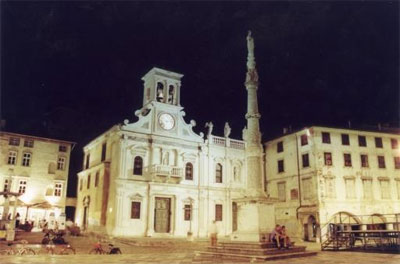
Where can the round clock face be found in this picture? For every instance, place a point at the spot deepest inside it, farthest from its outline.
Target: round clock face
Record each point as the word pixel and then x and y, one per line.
pixel 166 121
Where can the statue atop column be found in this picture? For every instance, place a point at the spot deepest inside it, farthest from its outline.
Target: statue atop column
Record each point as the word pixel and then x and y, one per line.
pixel 251 75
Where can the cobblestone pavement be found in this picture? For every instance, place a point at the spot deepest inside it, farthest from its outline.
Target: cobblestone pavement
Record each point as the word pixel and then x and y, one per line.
pixel 176 251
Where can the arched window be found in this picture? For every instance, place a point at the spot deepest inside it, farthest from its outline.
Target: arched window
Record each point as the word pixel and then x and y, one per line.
pixel 189 171
pixel 218 173
pixel 160 92
pixel 138 166
pixel 171 92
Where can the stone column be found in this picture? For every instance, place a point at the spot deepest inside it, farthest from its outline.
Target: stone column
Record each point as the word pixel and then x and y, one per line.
pixel 255 213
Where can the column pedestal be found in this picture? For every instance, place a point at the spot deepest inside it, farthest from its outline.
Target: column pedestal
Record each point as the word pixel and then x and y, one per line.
pixel 256 219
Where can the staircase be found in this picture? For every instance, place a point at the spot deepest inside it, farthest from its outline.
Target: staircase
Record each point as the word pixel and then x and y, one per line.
pixel 249 251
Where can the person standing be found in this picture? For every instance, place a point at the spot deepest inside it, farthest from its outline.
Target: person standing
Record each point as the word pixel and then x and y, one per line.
pixel 17 220
pixel 214 233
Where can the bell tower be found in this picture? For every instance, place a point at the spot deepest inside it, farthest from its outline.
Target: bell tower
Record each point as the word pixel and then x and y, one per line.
pixel 162 86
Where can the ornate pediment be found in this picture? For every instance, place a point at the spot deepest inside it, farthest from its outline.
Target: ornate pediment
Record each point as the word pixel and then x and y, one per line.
pixel 135 197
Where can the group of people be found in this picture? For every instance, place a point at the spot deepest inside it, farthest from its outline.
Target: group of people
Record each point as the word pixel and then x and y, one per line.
pixel 279 237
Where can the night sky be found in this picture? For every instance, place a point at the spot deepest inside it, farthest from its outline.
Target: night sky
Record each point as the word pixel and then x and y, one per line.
pixel 71 70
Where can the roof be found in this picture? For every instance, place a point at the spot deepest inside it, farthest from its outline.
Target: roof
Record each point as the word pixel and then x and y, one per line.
pixel 381 129
pixel 36 137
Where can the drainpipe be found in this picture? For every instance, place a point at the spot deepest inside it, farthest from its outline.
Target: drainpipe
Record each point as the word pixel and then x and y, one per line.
pixel 298 177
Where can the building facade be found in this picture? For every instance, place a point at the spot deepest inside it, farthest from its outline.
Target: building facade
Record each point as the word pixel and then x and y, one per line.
pixel 318 173
pixel 35 169
pixel 156 177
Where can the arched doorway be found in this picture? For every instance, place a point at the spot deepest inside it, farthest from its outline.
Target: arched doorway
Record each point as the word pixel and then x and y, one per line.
pixel 86 203
pixel 310 229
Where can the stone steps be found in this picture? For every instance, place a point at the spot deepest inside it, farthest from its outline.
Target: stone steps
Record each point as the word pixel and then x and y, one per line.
pixel 215 256
pixel 255 251
pixel 233 251
pixel 259 245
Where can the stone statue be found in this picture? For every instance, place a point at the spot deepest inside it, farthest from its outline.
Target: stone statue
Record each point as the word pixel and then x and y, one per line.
pixel 210 127
pixel 251 75
pixel 227 130
pixel 250 45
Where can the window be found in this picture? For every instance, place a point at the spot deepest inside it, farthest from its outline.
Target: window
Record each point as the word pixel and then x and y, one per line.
pixel 96 179
pixel 364 161
pixel 57 189
pixel 218 212
pixel 281 167
pixel 347 160
pixel 294 194
pixel 13 141
pixel 304 139
pixel 326 138
pixel 279 147
pixel 61 163
pixel 282 191
pixel 189 171
pixel 218 173
pixel 62 148
pixel 350 188
pixel 307 188
pixel 385 189
pixel 138 166
pixel 381 162
pixel 367 188
pixel 328 158
pixel 28 143
pixel 362 141
pixel 7 185
pixel 87 161
pixel 12 157
pixel 80 184
pixel 305 160
pixel 26 159
pixel 22 187
pixel 88 182
pixel 397 162
pixel 135 210
pixel 330 187
pixel 394 143
pixel 378 142
pixel 345 139
pixel 103 151
pixel 187 212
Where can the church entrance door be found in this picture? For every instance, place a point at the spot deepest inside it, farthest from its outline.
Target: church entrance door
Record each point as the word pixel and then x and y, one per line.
pixel 234 216
pixel 162 215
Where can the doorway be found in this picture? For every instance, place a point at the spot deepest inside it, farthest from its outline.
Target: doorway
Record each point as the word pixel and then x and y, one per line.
pixel 162 215
pixel 234 216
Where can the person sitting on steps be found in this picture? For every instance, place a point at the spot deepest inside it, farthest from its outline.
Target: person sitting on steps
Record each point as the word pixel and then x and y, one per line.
pixel 285 237
pixel 276 236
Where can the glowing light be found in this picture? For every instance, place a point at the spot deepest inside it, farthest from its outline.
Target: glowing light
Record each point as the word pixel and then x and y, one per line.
pixel 26 197
pixel 110 210
pixel 52 199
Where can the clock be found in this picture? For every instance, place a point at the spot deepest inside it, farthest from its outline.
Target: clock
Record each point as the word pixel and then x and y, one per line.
pixel 166 121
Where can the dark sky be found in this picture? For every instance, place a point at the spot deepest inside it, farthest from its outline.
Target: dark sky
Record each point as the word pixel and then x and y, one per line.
pixel 71 70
